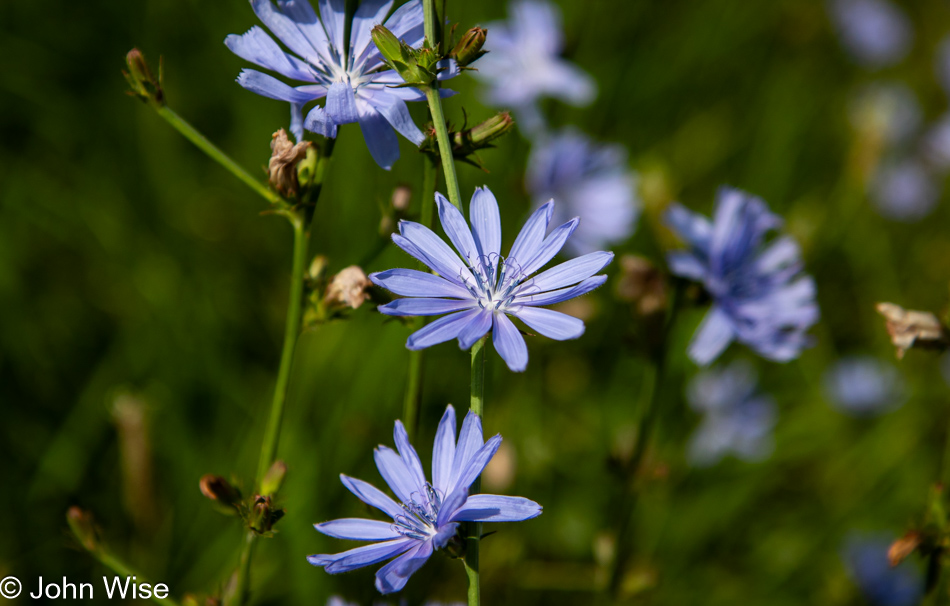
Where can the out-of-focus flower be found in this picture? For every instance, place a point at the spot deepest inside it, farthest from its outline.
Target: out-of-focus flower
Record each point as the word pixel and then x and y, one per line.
pixel 887 110
pixel 336 600
pixel 428 514
pixel 481 289
pixel 904 191
pixel 910 328
pixel 863 385
pixel 865 558
pixel 760 297
pixel 876 33
pixel 936 145
pixel 357 84
pixel 523 63
pixel 348 288
pixel 588 180
pixel 735 419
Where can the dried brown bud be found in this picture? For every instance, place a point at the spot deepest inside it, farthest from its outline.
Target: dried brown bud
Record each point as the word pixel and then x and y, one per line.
pixel 642 284
pixel 909 328
pixel 402 195
pixel 84 528
pixel 282 167
pixel 903 547
pixel 348 288
pixel 219 490
pixel 141 80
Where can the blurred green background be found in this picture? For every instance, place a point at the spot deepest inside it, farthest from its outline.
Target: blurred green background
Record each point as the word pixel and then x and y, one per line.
pixel 143 301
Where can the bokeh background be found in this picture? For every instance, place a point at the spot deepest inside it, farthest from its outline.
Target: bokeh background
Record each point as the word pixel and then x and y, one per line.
pixel 142 298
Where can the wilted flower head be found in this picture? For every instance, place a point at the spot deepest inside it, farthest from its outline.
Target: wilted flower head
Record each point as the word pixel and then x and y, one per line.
pixel 355 81
pixel 427 515
pixel 479 288
pixel 863 385
pixel 588 180
pixel 735 419
pixel 865 558
pixel 876 33
pixel 348 288
pixel 911 328
pixel 523 63
pixel 904 191
pixel 760 297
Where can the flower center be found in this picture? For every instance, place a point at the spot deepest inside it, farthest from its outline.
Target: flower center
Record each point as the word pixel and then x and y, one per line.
pixel 495 281
pixel 421 514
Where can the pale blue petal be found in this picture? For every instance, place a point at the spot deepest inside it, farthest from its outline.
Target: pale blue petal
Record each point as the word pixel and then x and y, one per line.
pixel 686 265
pixel 424 306
pixel 358 529
pixel 394 110
pixel 443 450
pixel 486 225
pixel 455 227
pixel 470 440
pixel 319 122
pixel 259 48
pixel 452 503
pixel 411 458
pixel 362 556
pixel 475 329
pixel 415 283
pixel 528 242
pixel 448 69
pixel 509 344
pixel 551 324
pixel 369 14
pixel 341 103
pixel 441 330
pixel 714 334
pixel 440 256
pixel 269 86
pixel 407 23
pixel 296 121
pixel 495 508
pixel 550 246
pixel 393 576
pixel 285 28
pixel 333 15
pixel 393 469
pixel 566 274
pixel 691 227
pixel 371 495
pixel 563 294
pixel 477 463
pixel 379 136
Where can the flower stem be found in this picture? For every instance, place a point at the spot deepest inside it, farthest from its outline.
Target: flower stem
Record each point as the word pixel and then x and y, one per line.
pixel 118 566
pixel 445 147
pixel 474 529
pixel 242 588
pixel 216 154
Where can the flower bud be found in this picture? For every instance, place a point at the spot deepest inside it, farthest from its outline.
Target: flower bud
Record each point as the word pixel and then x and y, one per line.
pixel 402 196
pixel 264 515
pixel 274 478
pixel 469 48
pixel 909 328
pixel 83 526
pixel 417 67
pixel 903 547
pixel 318 267
pixel 221 492
pixel 466 142
pixel 143 83
pixel 282 168
pixel 347 289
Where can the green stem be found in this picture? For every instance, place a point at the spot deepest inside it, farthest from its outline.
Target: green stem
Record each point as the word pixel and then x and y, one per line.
pixel 216 154
pixel 445 146
pixel 291 332
pixel 242 589
pixel 122 569
pixel 431 25
pixel 474 529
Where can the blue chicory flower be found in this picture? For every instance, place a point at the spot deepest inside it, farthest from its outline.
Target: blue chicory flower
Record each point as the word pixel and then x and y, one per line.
pixel 760 297
pixel 524 64
pixel 904 191
pixel 428 514
pixel 865 558
pixel 736 420
pixel 357 85
pixel 864 385
pixel 588 180
pixel 481 289
pixel 876 33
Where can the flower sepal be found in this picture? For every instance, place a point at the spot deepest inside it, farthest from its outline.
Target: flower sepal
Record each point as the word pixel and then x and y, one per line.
pixel 417 66
pixel 142 81
pixel 468 141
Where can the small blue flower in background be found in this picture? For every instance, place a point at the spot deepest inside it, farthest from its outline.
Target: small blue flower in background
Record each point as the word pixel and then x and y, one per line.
pixel 356 83
pixel 876 33
pixel 736 420
pixel 481 289
pixel 760 297
pixel 588 180
pixel 936 145
pixel 904 191
pixel 864 386
pixel 428 513
pixel 887 110
pixel 524 64
pixel 865 558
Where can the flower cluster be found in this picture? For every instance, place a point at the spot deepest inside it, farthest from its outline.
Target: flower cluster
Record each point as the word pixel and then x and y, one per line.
pixel 427 514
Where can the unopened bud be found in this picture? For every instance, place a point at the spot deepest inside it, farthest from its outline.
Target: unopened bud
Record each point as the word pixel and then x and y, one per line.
pixel 910 328
pixel 348 288
pixel 402 195
pixel 318 267
pixel 220 491
pixel 466 142
pixel 642 284
pixel 469 48
pixel 903 547
pixel 282 172
pixel 83 526
pixel 417 67
pixel 274 478
pixel 142 81
pixel 264 515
